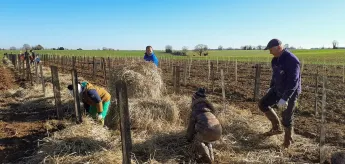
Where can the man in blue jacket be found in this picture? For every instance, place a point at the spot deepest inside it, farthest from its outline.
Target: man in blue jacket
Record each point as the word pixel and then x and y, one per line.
pixel 150 55
pixel 284 90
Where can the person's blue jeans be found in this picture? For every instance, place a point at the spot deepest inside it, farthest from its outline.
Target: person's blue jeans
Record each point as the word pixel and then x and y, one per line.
pixel 272 98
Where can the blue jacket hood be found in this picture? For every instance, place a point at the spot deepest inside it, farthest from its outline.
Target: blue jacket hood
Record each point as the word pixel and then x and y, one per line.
pixel 152 58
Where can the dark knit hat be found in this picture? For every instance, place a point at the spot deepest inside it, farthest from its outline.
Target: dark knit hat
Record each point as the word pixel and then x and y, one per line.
pixel 200 92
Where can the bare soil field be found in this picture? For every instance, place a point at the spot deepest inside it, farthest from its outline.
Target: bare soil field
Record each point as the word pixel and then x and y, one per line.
pixel 24 117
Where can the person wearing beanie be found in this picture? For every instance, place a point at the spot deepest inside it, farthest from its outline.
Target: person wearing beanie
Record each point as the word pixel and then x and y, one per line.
pixel 203 127
pixel 96 100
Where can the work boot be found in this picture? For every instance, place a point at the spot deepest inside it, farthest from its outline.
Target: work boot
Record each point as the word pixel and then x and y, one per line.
pixel 276 127
pixel 211 151
pixel 288 137
pixel 205 153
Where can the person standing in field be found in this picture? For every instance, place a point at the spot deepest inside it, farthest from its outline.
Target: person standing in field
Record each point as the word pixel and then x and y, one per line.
pixel 203 127
pixel 150 55
pixel 285 87
pixel 96 100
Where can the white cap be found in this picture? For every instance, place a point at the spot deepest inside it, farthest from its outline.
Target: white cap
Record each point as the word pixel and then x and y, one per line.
pixel 79 90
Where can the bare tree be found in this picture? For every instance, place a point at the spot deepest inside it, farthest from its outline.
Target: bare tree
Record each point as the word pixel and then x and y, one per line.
pixel 184 48
pixel 286 45
pixel 259 47
pixel 26 47
pixel 38 47
pixel 335 44
pixel 220 47
pixel 200 49
pixel 13 48
pixel 168 49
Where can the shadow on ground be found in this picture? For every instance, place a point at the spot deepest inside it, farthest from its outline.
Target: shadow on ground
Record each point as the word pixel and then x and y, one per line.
pixel 75 146
pixel 17 148
pixel 23 124
pixel 163 148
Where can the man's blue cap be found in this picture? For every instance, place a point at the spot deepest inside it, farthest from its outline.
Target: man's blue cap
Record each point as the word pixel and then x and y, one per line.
pixel 273 43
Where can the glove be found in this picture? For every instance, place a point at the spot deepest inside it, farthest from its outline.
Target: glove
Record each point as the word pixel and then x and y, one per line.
pixel 99 117
pixel 282 104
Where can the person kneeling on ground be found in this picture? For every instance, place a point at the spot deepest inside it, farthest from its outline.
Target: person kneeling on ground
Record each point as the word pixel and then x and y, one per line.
pixel 203 127
pixel 96 100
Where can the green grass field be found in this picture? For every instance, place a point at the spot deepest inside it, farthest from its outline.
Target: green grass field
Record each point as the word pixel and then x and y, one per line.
pixel 327 56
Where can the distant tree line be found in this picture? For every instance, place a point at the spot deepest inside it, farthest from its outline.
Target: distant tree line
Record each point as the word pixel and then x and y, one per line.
pixel 200 49
pixel 183 52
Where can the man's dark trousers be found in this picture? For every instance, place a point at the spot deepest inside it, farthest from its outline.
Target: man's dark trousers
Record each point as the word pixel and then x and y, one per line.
pixel 272 98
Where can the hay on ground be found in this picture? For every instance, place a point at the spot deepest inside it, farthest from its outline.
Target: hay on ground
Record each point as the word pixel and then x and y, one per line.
pixel 86 142
pixel 143 79
pixel 153 114
pixel 183 104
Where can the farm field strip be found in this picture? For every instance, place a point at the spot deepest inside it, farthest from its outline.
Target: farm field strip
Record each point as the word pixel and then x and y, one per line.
pixel 326 56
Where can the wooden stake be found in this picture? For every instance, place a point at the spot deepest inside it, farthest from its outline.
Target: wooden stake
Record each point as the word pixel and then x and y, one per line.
pixel 257 82
pixel 212 77
pixel 322 124
pixel 316 91
pixel 42 80
pixel 78 112
pixel 217 65
pixel 36 72
pixel 56 90
pixel 236 71
pixel 122 99
pixel 209 69
pixel 190 65
pixel 23 73
pixel 177 79
pixel 185 73
pixel 74 58
pixel 344 73
pixel 223 86
pixel 93 68
pixel 104 71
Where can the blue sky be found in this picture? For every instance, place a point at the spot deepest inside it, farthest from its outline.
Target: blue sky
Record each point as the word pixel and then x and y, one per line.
pixel 134 24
